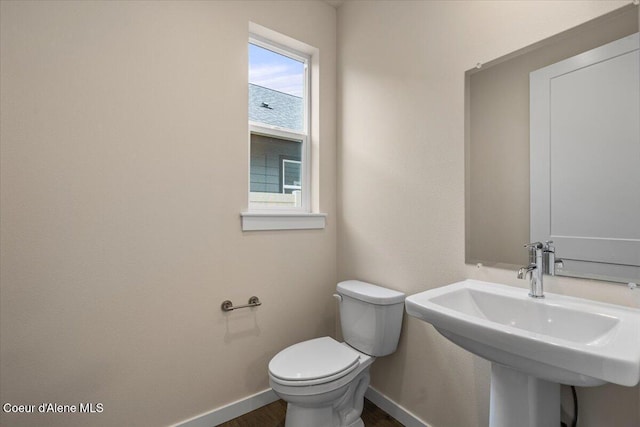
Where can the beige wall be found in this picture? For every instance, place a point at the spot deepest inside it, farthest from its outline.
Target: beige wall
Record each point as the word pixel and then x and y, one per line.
pixel 401 183
pixel 124 171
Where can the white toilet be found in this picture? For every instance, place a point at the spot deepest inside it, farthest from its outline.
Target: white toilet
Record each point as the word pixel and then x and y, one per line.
pixel 324 381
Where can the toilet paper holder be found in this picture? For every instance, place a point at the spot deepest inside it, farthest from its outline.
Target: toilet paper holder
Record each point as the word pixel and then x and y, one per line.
pixel 227 305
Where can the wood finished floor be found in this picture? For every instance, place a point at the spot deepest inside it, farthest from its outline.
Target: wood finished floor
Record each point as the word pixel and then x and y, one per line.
pixel 273 415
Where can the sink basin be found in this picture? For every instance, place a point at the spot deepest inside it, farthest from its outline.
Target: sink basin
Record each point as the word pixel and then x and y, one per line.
pixel 557 338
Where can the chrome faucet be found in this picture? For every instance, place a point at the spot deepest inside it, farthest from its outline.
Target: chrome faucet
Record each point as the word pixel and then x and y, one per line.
pixel 534 269
pixel 542 259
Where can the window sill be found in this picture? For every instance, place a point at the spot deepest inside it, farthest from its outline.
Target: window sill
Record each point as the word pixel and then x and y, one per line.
pixel 253 221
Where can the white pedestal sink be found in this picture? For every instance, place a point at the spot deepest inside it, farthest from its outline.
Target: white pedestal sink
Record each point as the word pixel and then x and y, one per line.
pixel 534 344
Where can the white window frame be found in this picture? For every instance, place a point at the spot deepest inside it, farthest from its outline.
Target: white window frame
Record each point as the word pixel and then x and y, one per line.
pixel 294 217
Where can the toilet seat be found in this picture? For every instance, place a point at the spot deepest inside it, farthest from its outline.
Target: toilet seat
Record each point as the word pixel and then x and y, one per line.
pixel 313 362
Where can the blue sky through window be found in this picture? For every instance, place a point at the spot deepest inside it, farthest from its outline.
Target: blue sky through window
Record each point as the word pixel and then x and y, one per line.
pixel 275 71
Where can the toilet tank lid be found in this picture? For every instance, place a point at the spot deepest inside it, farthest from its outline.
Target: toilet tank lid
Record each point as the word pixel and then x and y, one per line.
pixel 367 292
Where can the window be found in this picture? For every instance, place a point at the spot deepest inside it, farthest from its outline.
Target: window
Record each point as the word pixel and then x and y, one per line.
pixel 279 107
pixel 278 128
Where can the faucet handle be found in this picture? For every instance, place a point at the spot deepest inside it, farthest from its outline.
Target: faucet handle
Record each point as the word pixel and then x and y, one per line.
pixel 534 245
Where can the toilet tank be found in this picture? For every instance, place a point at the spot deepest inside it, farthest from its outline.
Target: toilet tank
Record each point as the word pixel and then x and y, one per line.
pixel 371 317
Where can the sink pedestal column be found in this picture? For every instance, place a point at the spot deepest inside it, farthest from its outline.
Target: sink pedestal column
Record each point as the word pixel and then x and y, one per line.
pixel 518 399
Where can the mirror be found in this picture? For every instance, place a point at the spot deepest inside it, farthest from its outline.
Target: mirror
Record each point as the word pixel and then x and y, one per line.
pixel 497 149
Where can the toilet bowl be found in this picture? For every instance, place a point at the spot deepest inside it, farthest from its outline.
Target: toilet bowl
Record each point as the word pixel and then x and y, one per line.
pixel 326 385
pixel 324 381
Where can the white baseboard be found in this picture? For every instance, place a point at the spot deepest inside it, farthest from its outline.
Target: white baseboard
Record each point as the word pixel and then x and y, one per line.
pixel 232 410
pixel 243 406
pixel 392 408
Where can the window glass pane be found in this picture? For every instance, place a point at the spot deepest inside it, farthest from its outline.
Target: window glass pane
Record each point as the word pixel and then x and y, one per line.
pixel 275 172
pixel 276 89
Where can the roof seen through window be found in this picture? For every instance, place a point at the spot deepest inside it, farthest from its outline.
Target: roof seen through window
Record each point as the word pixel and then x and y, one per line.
pixel 276 87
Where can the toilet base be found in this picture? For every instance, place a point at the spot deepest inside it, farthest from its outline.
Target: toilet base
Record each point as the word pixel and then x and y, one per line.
pixel 339 408
pixel 316 417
